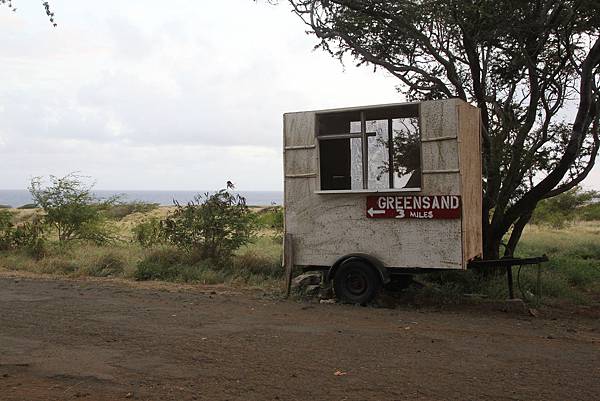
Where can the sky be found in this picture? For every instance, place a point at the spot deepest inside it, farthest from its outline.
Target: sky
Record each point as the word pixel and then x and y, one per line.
pixel 178 95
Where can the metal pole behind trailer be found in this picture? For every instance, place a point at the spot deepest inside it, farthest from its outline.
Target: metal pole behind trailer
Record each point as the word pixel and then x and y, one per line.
pixel 375 191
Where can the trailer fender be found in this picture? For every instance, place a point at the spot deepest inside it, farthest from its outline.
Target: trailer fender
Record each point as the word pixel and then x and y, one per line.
pixel 366 258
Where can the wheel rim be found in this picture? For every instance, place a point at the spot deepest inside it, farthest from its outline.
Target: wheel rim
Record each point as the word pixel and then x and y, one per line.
pixel 357 283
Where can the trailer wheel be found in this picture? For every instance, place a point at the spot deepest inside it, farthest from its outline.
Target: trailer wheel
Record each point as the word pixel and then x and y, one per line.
pixel 356 282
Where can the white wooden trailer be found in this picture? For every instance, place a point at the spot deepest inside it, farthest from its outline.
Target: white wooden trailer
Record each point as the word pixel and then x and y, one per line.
pixel 382 189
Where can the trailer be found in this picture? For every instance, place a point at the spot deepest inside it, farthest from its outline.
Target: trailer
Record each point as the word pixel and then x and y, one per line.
pixel 377 192
pixel 374 191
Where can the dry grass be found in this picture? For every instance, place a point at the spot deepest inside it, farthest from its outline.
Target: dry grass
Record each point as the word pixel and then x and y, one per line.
pixel 573 273
pixel 255 265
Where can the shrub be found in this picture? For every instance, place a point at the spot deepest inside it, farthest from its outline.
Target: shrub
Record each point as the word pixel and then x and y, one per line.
pixel 559 210
pixel 270 217
pixel 213 225
pixel 28 236
pixel 71 208
pixel 121 210
pixel 6 229
pixel 148 232
pixel 590 212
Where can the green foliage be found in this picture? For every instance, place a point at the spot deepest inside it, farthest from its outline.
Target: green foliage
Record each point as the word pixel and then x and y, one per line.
pixel 571 275
pixel 28 236
pixel 173 264
pixel 120 210
pixel 270 218
pixel 6 228
pixel 556 212
pixel 256 263
pixel 590 212
pixel 71 208
pixel 212 225
pixel 107 265
pixel 148 232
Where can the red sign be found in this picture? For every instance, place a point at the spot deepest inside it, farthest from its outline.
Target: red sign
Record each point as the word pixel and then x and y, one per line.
pixel 414 207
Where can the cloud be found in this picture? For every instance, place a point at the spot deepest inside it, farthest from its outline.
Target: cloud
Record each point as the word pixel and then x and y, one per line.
pixel 142 96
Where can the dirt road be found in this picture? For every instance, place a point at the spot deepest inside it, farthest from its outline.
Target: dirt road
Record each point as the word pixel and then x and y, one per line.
pixel 93 340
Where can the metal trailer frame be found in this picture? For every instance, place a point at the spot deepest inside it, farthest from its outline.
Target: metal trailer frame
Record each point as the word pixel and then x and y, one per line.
pixel 508 263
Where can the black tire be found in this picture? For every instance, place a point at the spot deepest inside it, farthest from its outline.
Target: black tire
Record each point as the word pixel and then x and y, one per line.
pixel 356 282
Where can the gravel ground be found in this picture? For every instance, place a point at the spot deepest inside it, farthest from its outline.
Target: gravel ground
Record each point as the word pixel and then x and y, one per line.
pixel 111 340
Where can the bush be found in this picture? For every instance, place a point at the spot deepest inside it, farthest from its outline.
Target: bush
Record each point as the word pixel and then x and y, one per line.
pixel 270 217
pixel 28 236
pixel 71 209
pixel 212 225
pixel 148 233
pixel 590 212
pixel 121 210
pixel 6 229
pixel 556 212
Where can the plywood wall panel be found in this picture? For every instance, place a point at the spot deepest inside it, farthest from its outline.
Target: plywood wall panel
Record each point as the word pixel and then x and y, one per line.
pixel 300 161
pixel 440 155
pixel 299 129
pixel 438 119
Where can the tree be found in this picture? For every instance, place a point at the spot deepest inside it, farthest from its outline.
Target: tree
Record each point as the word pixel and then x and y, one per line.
pixel 71 208
pixel 525 64
pixel 11 5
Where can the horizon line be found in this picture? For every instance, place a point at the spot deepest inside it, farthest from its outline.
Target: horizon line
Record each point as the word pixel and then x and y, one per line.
pixel 162 190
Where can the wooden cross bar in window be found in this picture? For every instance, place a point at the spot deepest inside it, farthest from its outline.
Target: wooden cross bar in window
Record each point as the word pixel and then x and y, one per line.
pixel 364 136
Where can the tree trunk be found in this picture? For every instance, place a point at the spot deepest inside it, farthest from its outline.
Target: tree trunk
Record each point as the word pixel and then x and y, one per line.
pixel 492 240
pixel 515 236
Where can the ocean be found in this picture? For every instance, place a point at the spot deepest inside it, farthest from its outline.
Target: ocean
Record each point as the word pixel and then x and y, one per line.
pixel 20 197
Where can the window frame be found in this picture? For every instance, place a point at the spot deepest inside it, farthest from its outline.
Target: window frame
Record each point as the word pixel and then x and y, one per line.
pixel 364 137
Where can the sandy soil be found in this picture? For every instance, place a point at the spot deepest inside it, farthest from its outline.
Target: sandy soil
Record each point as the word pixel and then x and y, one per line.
pixel 98 340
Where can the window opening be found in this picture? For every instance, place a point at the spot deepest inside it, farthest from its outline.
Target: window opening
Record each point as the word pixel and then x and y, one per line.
pixel 357 153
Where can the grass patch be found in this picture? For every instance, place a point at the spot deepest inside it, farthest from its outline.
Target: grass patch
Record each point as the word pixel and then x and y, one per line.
pixel 572 275
pixel 270 218
pixel 573 272
pixel 77 259
pixel 252 265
